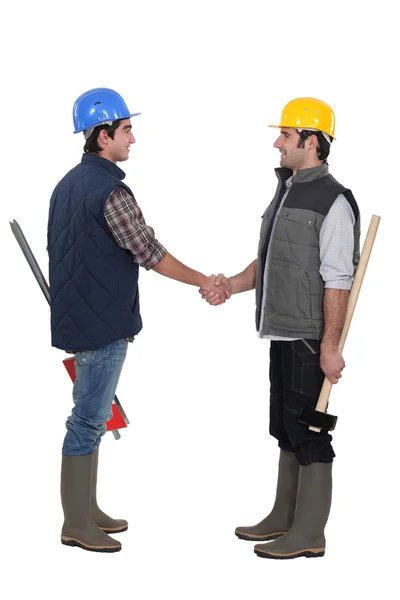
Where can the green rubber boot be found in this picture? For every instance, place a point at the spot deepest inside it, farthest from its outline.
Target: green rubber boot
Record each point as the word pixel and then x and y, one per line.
pixel 103 521
pixel 306 537
pixel 280 519
pixel 79 528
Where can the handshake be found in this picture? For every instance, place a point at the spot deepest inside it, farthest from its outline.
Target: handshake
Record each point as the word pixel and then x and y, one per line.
pixel 216 290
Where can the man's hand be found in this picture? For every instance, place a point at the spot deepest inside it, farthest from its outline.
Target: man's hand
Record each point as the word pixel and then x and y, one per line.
pixel 332 364
pixel 220 291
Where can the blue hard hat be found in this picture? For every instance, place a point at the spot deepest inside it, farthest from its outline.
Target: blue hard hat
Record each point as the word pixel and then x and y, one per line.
pixel 98 106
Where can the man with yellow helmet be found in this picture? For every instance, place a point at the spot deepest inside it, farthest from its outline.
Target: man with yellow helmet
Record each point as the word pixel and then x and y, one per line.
pixel 307 254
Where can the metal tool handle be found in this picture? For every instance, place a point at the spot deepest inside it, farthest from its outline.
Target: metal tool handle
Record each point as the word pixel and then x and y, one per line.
pixel 31 260
pixel 323 399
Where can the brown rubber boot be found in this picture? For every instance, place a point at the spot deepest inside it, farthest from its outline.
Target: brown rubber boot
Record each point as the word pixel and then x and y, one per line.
pixel 103 521
pixel 79 528
pixel 280 519
pixel 306 537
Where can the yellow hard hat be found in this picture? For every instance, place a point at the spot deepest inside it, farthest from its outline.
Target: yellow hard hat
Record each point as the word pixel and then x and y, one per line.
pixel 308 113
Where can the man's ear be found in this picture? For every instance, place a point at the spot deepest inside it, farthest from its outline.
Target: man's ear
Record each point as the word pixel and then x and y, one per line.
pixel 313 142
pixel 102 138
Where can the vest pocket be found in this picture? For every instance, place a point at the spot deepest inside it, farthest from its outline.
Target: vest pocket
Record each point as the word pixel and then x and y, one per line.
pixel 288 292
pixel 264 222
pixel 302 299
pixel 307 220
pixel 298 228
pixel 307 298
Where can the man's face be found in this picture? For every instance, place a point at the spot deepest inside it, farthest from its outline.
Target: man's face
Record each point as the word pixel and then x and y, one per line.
pixel 123 138
pixel 292 157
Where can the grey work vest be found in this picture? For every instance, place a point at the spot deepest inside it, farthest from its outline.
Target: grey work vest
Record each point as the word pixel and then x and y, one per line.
pixel 295 289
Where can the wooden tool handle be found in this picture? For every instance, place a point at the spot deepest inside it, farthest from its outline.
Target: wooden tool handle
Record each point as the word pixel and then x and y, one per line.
pixel 323 399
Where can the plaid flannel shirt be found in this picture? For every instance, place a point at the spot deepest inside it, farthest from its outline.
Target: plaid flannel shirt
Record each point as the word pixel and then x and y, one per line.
pixel 128 227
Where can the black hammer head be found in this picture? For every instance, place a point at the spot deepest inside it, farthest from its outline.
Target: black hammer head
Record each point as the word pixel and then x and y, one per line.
pixel 316 418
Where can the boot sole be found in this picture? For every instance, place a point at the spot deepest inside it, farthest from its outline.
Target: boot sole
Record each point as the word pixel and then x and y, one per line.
pixel 116 530
pixel 259 538
pixel 73 542
pixel 308 553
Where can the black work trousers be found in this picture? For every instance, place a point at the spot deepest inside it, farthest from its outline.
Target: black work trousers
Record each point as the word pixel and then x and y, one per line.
pixel 296 379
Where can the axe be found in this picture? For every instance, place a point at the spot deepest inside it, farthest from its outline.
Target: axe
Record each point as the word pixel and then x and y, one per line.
pixel 119 418
pixel 318 418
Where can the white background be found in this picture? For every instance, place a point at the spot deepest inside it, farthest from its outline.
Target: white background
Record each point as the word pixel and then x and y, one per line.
pixel 197 459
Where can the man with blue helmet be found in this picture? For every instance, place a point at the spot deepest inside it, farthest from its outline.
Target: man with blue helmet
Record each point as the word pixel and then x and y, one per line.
pixel 97 239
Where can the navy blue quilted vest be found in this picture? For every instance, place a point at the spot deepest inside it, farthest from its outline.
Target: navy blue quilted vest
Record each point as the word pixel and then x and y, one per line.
pixel 94 296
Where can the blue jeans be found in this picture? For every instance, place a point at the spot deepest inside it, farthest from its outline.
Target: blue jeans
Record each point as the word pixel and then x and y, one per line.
pixel 97 375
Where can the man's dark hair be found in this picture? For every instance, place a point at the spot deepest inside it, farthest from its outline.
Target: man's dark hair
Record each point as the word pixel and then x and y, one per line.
pixel 324 146
pixel 91 145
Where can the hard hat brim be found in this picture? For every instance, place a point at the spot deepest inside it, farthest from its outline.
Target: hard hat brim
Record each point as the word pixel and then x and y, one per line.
pixel 294 127
pixel 128 117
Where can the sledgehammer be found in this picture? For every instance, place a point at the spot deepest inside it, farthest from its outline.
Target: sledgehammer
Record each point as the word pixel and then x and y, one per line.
pixel 318 418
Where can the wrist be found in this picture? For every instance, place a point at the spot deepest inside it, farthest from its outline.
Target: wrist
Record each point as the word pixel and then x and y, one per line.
pixel 329 347
pixel 232 285
pixel 202 281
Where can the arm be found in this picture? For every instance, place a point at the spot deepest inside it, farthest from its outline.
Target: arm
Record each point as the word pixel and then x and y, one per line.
pixel 335 309
pixel 130 231
pixel 337 269
pixel 171 267
pixel 244 281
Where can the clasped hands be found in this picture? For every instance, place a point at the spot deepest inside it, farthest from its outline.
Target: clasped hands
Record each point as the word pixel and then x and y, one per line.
pixel 216 289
